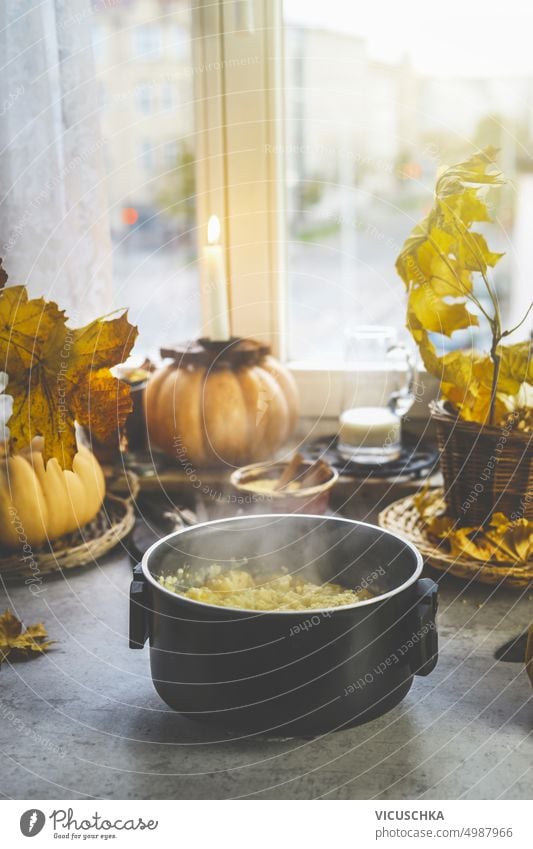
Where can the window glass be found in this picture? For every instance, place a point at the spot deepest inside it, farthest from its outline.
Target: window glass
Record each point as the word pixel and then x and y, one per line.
pixel 379 97
pixel 148 135
pixel 147 40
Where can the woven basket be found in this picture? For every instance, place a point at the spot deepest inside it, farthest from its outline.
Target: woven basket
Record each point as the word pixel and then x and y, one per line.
pixel 113 522
pixel 403 518
pixel 486 469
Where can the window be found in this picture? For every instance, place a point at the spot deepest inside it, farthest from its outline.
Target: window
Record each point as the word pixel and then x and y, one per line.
pixel 144 98
pixel 146 154
pixel 151 202
pixel 167 97
pixel 146 38
pixel 171 154
pixel 98 43
pixel 180 42
pixel 372 112
pixel 237 73
pixel 318 136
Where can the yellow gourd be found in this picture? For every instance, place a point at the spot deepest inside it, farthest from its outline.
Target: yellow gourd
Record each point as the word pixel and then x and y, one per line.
pixel 38 503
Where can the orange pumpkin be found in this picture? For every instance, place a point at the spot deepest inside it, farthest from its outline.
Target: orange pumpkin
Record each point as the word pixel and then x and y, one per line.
pixel 233 407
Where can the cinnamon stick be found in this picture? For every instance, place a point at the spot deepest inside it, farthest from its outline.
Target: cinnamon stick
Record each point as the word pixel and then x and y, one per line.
pixel 290 472
pixel 316 474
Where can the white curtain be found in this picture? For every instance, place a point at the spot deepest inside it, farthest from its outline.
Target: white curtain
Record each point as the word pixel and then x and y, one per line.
pixel 54 233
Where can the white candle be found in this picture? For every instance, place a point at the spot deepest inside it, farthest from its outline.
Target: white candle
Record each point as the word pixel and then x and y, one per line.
pixel 215 281
pixel 370 427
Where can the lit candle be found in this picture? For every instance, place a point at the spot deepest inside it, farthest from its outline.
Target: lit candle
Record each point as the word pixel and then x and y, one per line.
pixel 215 281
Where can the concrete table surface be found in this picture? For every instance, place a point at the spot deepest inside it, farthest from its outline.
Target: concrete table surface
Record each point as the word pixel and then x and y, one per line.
pixel 84 720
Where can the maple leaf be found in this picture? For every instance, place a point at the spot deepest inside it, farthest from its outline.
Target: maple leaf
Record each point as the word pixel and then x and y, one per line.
pixel 97 393
pixel 19 644
pixel 58 375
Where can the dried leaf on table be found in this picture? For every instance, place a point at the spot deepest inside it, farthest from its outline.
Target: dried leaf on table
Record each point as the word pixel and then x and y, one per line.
pixel 59 374
pixel 19 644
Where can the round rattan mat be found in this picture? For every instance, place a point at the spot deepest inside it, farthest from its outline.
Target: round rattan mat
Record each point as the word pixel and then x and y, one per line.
pixel 114 521
pixel 403 518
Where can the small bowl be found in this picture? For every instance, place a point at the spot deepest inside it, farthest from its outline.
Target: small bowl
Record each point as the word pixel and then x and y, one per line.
pixel 309 499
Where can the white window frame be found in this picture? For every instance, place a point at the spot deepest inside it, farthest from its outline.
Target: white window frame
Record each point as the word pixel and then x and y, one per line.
pixel 238 74
pixel 238 70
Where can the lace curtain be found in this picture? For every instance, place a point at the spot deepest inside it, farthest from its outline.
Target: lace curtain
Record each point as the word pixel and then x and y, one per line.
pixel 54 233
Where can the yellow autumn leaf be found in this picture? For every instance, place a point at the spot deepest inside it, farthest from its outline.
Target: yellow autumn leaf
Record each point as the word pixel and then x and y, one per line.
pixel 516 366
pixel 474 254
pixel 468 205
pixel 429 502
pixel 437 315
pixel 10 627
pixel 515 539
pixel 448 279
pixel 101 403
pixel 437 263
pixel 426 243
pixel 476 171
pixel 468 542
pixel 502 541
pixel 19 644
pixel 50 369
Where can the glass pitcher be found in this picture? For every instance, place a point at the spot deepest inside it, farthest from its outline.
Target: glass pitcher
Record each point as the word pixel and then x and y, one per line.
pixel 378 390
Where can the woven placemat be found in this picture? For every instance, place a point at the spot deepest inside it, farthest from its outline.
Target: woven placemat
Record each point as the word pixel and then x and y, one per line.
pixel 403 518
pixel 111 524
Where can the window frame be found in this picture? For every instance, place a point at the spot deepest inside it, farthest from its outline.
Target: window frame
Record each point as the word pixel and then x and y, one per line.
pixel 238 68
pixel 240 173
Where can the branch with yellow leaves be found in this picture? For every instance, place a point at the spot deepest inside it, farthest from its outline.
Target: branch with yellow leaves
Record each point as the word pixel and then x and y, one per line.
pixel 439 263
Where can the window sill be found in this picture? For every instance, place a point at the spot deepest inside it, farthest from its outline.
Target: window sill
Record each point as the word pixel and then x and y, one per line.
pixel 321 390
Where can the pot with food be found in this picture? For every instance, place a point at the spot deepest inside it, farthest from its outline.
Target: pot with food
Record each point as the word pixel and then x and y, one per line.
pixel 292 624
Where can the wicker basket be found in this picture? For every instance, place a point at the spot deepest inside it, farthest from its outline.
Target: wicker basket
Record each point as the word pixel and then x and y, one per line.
pixel 486 469
pixel 403 518
pixel 111 524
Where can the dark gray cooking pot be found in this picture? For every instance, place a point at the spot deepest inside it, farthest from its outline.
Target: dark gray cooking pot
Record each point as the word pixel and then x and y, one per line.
pixel 298 672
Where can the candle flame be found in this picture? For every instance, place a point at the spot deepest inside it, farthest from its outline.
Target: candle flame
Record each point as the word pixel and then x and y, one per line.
pixel 213 230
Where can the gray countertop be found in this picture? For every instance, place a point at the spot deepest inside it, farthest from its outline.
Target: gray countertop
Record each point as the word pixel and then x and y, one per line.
pixel 84 720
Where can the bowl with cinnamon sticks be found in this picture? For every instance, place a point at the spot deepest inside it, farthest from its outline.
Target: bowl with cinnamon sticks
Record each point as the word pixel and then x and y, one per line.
pixel 297 486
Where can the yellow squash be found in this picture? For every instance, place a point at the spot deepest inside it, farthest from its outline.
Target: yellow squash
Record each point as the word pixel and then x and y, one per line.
pixel 38 503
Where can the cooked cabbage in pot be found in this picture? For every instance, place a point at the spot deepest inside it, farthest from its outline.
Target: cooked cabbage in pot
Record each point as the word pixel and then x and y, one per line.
pixel 278 591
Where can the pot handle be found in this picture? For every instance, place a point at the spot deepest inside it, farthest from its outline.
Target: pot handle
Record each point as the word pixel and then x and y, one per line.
pixel 425 651
pixel 138 621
